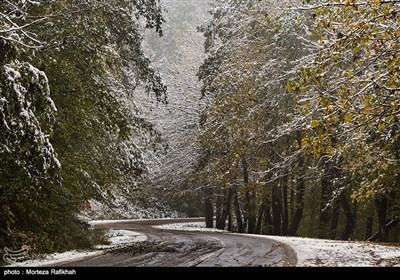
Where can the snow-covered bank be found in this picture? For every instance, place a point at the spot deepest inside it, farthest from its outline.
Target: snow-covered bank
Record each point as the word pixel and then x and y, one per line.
pixel 197 226
pixel 106 222
pixel 122 237
pixel 320 252
pixel 117 239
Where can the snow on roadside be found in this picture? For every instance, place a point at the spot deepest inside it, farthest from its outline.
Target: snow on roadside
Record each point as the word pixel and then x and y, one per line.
pixel 197 226
pixel 106 222
pixel 122 237
pixel 320 252
pixel 117 238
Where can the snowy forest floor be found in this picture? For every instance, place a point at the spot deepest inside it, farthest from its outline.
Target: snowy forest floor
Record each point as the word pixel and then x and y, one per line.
pixel 310 252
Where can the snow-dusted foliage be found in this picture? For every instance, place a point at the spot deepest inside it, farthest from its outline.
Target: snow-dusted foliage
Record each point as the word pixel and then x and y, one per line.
pixel 177 56
pixel 66 136
pixel 26 113
pixel 138 204
pixel 304 116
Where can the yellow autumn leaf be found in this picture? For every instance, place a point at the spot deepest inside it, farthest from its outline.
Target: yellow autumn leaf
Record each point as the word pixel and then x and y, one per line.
pixel 381 126
pixel 367 111
pixel 314 123
pixel 334 119
pixel 262 161
pixel 329 151
pixel 385 166
pixel 348 118
pixel 389 119
pixel 388 36
pixel 305 141
pixel 350 73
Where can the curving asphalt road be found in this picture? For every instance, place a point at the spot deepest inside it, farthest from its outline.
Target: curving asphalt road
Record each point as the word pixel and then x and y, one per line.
pixel 186 249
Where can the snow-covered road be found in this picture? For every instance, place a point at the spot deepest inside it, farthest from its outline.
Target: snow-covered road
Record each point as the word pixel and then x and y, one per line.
pixel 166 247
pixel 186 242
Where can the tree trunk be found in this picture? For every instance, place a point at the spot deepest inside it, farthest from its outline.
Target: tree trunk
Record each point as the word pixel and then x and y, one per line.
pixel 324 219
pixel 350 219
pixel 298 214
pixel 218 207
pixel 259 219
pixel 291 202
pixel 267 229
pixel 334 220
pixel 381 208
pixel 276 211
pixel 229 221
pixel 238 214
pixel 251 218
pixel 301 188
pixel 209 208
pixel 221 219
pixel 226 209
pixel 368 227
pixel 285 206
pixel 390 225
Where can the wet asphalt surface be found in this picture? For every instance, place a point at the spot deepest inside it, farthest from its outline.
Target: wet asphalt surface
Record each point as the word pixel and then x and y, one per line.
pixel 172 248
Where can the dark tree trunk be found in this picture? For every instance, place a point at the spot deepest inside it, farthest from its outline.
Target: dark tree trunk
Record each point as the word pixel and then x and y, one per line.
pixel 350 219
pixel 226 209
pixel 209 208
pixel 276 210
pixel 298 213
pixel 218 207
pixel 229 221
pixel 285 214
pixel 267 220
pixel 259 219
pixel 324 219
pixel 381 208
pixel 301 188
pixel 251 218
pixel 291 201
pixel 368 227
pixel 390 225
pixel 221 219
pixel 335 220
pixel 238 213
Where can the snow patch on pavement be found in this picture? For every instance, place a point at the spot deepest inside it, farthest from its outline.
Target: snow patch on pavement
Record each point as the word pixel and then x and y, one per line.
pixel 117 238
pixel 320 252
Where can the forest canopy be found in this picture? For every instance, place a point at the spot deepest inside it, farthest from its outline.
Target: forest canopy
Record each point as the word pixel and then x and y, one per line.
pixel 65 135
pixel 303 133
